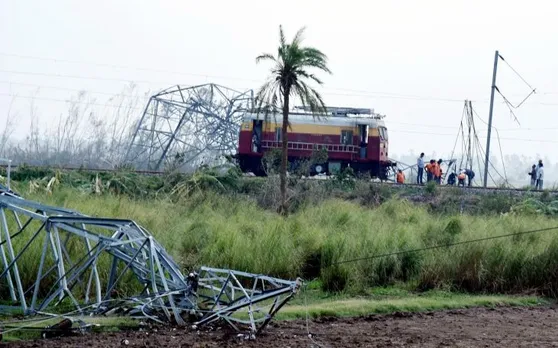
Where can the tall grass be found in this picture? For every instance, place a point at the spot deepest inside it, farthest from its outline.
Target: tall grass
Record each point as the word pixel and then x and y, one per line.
pixel 224 231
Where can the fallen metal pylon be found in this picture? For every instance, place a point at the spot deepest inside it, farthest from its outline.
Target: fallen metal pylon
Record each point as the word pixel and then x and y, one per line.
pixel 91 265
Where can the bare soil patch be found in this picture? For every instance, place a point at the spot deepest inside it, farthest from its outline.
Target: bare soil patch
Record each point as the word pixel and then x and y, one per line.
pixel 479 327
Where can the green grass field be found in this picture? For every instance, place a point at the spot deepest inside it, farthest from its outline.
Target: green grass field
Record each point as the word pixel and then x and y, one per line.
pixel 238 230
pixel 234 232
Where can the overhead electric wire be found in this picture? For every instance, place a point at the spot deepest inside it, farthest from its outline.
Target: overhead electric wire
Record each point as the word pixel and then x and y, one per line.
pixel 362 93
pixel 69 101
pixel 510 106
pixel 460 130
pixel 507 102
pixel 483 155
pixel 114 66
pixel 73 76
pixel 501 155
pixel 515 71
pixel 116 94
pixel 141 109
pixel 446 245
pixel 499 143
pixel 483 137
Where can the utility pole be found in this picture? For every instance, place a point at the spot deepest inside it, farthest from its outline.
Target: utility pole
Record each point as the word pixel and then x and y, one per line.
pixel 469 162
pixel 496 56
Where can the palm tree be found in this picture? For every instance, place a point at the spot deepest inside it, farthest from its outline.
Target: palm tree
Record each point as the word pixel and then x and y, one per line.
pixel 289 78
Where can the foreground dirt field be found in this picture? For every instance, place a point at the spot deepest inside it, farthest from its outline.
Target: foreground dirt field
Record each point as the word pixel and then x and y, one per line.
pixel 502 327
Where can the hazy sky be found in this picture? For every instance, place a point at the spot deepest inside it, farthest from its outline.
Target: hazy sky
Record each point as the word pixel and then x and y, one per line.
pixel 415 61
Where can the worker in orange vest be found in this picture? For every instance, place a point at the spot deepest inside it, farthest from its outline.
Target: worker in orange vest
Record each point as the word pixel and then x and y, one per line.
pixel 461 178
pixel 400 177
pixel 435 171
pixel 430 170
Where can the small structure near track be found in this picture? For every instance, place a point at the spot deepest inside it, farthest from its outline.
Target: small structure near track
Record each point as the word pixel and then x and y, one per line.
pixel 93 265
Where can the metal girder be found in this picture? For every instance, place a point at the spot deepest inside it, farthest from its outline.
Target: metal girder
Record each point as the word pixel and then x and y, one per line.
pixel 91 265
pixel 198 123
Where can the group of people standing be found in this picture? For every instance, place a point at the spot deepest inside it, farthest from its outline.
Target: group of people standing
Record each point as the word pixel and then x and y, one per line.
pixel 537 176
pixel 433 170
pixel 434 173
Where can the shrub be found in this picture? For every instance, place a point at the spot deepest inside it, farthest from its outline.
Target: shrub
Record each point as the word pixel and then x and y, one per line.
pixel 431 188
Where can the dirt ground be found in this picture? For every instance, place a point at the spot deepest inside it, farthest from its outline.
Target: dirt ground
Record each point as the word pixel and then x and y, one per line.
pixel 502 327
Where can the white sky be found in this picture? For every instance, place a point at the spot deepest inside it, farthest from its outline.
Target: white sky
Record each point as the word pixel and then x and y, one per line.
pixel 440 51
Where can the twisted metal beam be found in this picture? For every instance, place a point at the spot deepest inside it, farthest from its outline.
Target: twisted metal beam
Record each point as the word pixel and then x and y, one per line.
pixel 97 265
pixel 196 123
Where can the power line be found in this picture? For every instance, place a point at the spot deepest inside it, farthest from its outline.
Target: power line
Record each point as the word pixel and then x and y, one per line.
pixel 448 134
pixel 106 65
pixel 499 143
pixel 521 77
pixel 365 94
pixel 371 95
pixel 140 108
pixel 429 125
pixel 116 94
pixel 73 76
pixel 383 95
pixel 362 93
pixel 175 72
pixel 69 89
pixel 67 101
pixel 483 154
pixel 501 154
pixel 439 246
pixel 56 60
pixel 460 130
pixel 508 103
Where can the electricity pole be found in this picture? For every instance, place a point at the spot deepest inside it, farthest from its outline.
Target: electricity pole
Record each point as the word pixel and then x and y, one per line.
pixel 496 56
pixel 469 162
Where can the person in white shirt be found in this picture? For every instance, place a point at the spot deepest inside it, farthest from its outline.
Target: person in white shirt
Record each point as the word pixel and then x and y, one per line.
pixel 420 168
pixel 540 175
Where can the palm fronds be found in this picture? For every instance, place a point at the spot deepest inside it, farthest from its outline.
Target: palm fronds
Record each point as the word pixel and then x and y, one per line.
pixel 290 77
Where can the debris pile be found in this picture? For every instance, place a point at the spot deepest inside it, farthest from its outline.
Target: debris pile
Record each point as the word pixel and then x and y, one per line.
pixel 90 265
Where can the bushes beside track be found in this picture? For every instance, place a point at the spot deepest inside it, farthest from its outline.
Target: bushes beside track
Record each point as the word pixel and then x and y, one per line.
pixel 208 228
pixel 222 219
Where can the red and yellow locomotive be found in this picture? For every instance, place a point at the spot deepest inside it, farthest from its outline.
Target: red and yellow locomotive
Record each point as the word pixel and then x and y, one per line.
pixel 355 138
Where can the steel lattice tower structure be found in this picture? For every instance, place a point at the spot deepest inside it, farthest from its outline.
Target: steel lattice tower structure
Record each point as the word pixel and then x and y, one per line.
pixel 196 124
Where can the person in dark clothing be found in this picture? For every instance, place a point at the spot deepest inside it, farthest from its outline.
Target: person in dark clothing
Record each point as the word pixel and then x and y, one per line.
pixel 533 175
pixel 470 175
pixel 451 179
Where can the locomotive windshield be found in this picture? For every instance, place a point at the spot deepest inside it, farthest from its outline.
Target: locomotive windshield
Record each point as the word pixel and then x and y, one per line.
pixel 383 133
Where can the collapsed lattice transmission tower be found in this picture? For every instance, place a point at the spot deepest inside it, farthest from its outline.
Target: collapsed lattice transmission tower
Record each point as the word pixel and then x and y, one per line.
pixel 54 260
pixel 188 125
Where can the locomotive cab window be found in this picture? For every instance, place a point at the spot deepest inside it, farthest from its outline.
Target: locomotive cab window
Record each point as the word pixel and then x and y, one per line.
pixel 383 133
pixel 346 137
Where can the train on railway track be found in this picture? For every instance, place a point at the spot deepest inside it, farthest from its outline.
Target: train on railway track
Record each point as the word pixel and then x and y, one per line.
pixel 352 137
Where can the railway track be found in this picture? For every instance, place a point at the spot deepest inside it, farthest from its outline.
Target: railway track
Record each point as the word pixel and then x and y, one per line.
pixel 99 170
pixel 392 184
pixel 477 188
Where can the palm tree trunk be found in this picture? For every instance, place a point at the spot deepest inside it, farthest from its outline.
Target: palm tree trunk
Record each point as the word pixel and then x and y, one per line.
pixel 283 209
